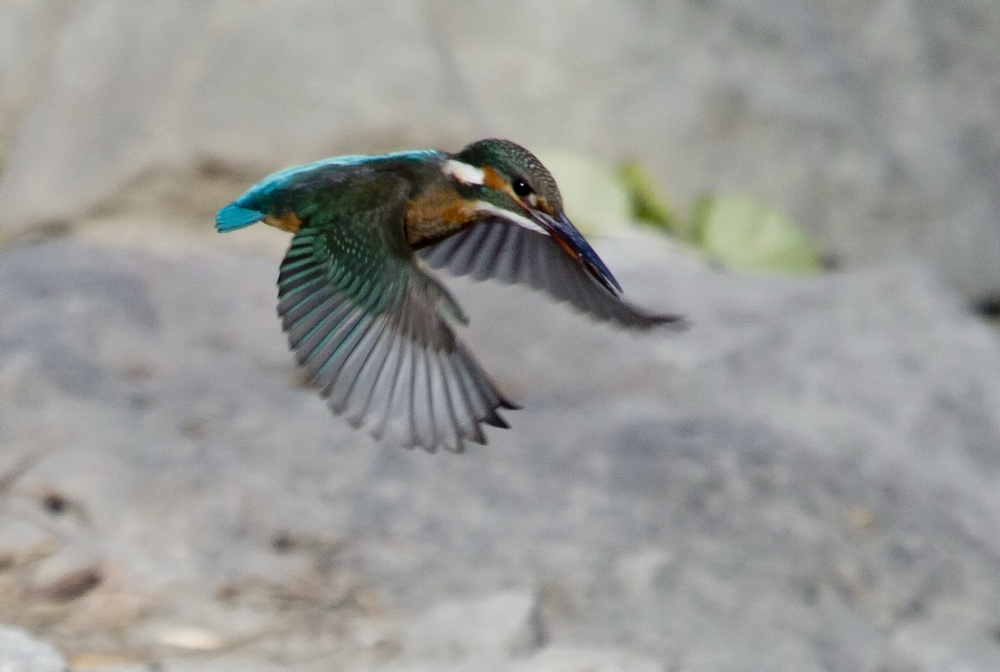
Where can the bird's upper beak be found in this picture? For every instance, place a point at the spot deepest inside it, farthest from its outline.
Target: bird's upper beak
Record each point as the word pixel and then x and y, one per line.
pixel 571 240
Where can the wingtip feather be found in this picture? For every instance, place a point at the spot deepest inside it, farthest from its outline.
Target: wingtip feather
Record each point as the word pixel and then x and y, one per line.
pixel 648 321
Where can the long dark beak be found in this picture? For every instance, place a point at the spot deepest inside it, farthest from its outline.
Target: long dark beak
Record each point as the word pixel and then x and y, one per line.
pixel 573 242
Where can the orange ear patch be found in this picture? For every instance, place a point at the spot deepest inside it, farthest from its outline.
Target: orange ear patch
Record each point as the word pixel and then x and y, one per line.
pixel 287 222
pixel 493 180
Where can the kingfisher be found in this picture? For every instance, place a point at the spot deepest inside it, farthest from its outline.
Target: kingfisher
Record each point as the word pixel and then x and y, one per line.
pixel 368 321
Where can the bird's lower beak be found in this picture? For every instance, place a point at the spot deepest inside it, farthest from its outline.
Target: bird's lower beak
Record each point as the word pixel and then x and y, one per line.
pixel 573 242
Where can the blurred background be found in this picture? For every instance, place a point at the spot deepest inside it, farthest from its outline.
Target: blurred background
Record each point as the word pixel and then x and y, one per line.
pixel 874 124
pixel 806 480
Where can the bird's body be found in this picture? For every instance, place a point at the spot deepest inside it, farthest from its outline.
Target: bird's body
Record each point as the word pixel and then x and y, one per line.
pixel 365 317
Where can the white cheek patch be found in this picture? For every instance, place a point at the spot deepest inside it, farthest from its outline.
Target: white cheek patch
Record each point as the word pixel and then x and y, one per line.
pixel 463 172
pixel 509 216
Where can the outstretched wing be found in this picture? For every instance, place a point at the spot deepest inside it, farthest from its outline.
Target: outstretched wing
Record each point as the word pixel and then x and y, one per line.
pixel 496 249
pixel 368 326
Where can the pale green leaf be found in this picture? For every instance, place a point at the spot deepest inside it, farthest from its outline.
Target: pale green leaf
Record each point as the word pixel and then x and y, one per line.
pixel 647 203
pixel 743 233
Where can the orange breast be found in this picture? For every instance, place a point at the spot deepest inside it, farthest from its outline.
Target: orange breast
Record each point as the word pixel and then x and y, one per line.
pixel 436 215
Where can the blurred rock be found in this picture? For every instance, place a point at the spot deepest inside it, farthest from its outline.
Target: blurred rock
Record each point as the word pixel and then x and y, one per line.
pixel 26 33
pixel 19 652
pixel 558 659
pixel 692 499
pixel 439 667
pixel 498 627
pixel 872 122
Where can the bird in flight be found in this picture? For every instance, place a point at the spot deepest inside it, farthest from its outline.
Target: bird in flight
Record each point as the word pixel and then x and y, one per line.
pixel 368 321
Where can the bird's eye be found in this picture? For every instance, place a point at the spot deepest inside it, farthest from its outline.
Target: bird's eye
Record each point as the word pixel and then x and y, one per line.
pixel 520 187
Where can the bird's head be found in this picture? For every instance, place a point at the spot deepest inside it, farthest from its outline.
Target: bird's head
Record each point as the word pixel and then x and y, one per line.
pixel 506 181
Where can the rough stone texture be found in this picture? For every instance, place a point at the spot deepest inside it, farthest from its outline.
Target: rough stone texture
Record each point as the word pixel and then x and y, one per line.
pixel 20 653
pixel 807 480
pixel 876 123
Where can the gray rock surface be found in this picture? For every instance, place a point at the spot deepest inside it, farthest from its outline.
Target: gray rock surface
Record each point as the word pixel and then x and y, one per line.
pixel 561 659
pixel 806 480
pixel 501 626
pixel 19 652
pixel 875 123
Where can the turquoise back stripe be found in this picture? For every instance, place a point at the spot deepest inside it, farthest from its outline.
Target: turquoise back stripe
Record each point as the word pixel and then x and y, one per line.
pixel 251 207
